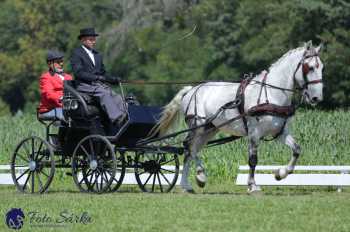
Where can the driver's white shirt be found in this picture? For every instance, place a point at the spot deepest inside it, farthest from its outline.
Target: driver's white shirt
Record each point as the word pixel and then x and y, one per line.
pixel 91 55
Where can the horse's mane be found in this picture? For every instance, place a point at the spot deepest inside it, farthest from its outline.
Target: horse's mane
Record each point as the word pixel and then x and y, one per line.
pixel 285 55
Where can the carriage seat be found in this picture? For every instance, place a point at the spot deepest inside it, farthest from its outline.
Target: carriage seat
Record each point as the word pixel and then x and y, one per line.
pixel 78 104
pixel 45 117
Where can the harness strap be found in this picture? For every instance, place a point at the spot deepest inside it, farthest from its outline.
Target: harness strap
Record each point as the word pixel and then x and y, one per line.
pixel 272 109
pixel 240 95
pixel 263 86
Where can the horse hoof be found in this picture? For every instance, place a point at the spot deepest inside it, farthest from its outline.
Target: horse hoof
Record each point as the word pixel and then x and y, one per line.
pixel 254 190
pixel 201 179
pixel 200 183
pixel 191 191
pixel 277 175
pixel 280 174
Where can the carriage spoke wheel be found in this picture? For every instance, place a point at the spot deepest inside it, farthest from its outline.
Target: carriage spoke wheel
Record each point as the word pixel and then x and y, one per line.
pixel 94 164
pixel 33 165
pixel 120 173
pixel 156 172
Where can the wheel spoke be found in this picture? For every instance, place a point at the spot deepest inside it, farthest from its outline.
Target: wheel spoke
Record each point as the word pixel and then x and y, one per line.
pixel 105 176
pixel 97 175
pixel 166 179
pixel 42 171
pixel 101 174
pixel 142 173
pixel 91 147
pixel 40 158
pixel 92 176
pixel 167 170
pixel 147 179
pixel 84 150
pixel 25 183
pixel 166 162
pixel 110 173
pixel 89 172
pixel 154 182
pixel 38 152
pixel 40 183
pixel 20 156
pixel 25 147
pixel 22 174
pixel 95 181
pixel 33 178
pixel 160 183
pixel 33 148
pixel 84 177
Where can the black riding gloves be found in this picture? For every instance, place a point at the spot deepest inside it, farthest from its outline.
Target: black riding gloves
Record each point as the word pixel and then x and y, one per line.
pixel 101 78
pixel 113 80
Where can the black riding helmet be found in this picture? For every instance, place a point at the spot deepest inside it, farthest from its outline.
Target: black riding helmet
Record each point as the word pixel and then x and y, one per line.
pixel 54 55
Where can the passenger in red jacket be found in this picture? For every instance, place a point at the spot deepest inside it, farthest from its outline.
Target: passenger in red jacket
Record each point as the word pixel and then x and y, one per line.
pixel 51 86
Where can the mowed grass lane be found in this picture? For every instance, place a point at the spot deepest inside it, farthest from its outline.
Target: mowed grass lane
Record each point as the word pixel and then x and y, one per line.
pixel 219 207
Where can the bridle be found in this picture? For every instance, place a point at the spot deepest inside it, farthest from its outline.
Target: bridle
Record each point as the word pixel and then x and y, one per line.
pixel 306 69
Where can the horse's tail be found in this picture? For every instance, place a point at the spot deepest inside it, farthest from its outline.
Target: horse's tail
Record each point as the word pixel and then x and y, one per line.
pixel 170 115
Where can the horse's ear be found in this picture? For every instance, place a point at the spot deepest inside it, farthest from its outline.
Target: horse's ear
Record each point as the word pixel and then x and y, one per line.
pixel 308 45
pixel 318 49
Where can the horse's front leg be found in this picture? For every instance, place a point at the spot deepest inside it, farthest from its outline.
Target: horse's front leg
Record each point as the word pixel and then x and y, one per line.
pixel 288 139
pixel 253 161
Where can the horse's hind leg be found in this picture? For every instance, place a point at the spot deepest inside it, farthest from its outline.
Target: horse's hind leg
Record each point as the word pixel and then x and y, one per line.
pixel 185 184
pixel 199 142
pixel 194 143
pixel 287 139
pixel 253 161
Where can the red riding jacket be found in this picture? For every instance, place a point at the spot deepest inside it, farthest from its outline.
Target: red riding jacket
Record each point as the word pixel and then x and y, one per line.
pixel 51 90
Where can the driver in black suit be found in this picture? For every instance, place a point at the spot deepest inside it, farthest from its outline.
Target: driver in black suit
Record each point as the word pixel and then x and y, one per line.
pixel 91 76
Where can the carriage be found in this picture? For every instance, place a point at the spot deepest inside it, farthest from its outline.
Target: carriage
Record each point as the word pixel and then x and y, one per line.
pixel 258 107
pixel 98 161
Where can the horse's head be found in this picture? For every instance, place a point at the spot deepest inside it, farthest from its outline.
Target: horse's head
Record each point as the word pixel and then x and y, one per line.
pixel 309 74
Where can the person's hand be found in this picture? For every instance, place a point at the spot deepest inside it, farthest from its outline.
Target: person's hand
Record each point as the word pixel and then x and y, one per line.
pixel 113 80
pixel 101 78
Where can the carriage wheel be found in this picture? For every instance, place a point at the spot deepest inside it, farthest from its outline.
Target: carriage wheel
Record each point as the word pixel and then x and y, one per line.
pixel 32 165
pixel 156 172
pixel 120 172
pixel 94 164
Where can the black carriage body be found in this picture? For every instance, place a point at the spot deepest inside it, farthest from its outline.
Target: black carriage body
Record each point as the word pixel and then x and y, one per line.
pixel 141 120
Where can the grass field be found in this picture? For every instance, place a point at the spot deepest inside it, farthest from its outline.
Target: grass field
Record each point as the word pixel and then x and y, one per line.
pixel 220 206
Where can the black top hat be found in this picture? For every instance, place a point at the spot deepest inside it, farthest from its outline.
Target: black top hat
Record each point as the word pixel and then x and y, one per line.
pixel 87 32
pixel 54 55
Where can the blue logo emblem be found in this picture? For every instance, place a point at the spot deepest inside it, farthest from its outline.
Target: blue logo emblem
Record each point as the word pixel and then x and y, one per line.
pixel 15 218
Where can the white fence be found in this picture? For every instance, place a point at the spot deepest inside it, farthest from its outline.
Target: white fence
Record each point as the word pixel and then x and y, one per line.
pixel 129 178
pixel 303 175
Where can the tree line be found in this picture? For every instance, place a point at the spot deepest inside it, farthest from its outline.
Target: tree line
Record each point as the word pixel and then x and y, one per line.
pixel 141 40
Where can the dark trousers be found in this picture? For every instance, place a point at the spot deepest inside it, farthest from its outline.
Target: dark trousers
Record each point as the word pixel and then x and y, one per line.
pixel 111 103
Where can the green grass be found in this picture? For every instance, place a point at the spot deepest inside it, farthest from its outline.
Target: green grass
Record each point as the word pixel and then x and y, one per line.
pixel 219 207
pixel 323 137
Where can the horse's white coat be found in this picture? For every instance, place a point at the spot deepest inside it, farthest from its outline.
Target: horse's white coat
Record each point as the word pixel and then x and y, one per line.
pixel 205 100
